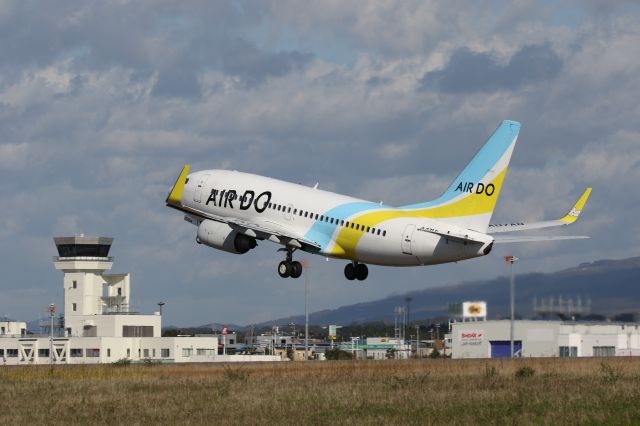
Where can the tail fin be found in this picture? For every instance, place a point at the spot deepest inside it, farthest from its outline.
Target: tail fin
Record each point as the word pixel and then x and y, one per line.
pixel 471 198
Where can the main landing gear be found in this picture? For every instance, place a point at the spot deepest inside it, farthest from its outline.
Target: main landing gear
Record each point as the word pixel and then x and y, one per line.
pixel 289 267
pixel 356 271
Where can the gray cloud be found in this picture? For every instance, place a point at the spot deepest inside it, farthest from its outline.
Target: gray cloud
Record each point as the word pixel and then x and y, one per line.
pixel 101 104
pixel 480 72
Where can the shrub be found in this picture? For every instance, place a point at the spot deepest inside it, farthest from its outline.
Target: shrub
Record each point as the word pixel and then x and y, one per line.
pixel 610 373
pixel 490 371
pixel 524 372
pixel 235 374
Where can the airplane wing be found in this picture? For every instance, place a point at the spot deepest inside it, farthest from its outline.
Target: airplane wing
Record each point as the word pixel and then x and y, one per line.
pixel 568 219
pixel 273 232
pixel 263 230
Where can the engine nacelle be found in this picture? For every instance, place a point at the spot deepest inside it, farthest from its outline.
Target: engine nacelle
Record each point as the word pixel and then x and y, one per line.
pixel 222 237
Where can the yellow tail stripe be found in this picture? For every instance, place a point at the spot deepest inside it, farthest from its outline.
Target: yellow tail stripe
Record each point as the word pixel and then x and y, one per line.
pixel 472 204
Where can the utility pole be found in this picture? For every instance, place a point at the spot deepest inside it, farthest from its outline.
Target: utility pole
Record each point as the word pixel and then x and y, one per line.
pixel 417 340
pixel 408 299
pixel 511 260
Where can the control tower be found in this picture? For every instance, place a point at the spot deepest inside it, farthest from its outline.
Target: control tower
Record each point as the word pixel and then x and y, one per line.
pixel 97 304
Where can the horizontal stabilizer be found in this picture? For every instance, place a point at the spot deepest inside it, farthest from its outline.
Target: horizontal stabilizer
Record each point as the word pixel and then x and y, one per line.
pixel 568 219
pixel 501 239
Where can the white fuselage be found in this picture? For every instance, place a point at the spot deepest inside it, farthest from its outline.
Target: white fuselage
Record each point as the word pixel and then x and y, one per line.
pixel 342 227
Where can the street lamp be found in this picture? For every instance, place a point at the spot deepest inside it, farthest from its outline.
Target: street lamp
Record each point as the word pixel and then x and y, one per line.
pixel 52 313
pixel 161 304
pixel 511 260
pixel 306 265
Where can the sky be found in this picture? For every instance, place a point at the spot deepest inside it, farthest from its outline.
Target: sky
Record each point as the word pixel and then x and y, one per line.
pixel 102 103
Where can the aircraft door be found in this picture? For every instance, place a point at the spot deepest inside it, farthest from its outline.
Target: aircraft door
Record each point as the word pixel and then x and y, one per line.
pixel 197 194
pixel 288 212
pixel 407 236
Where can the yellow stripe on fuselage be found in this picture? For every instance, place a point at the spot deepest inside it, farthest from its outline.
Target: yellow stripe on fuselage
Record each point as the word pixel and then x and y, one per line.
pixel 472 204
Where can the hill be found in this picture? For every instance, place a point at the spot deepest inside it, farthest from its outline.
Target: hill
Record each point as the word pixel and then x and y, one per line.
pixel 612 286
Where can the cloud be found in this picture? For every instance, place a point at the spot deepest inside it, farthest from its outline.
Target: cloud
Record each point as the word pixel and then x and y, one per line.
pixel 480 72
pixel 13 155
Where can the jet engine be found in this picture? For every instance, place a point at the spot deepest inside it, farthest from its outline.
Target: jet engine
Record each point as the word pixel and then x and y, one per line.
pixel 222 237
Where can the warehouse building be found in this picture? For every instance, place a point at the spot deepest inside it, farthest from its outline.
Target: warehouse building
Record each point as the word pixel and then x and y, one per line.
pixel 11 328
pixel 491 339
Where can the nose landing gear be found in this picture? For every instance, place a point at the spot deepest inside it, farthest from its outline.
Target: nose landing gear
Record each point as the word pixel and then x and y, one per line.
pixel 356 271
pixel 289 267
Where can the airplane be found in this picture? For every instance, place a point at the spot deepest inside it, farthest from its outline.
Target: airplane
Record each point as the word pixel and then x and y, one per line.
pixel 234 210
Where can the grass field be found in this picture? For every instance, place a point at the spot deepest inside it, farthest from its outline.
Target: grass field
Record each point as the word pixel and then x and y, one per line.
pixel 540 391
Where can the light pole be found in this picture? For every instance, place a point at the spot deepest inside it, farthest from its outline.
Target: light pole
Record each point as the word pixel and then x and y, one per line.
pixel 417 340
pixel 161 304
pixel 52 312
pixel 306 264
pixel 511 260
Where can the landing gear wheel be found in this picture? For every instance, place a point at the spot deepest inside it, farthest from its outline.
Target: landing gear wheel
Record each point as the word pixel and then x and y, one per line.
pixel 296 269
pixel 362 272
pixel 350 271
pixel 284 269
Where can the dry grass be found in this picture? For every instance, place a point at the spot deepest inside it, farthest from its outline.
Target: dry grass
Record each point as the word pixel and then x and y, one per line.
pixel 547 391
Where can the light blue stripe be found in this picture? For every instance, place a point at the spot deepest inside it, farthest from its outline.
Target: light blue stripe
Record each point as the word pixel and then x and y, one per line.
pixel 321 231
pixel 485 159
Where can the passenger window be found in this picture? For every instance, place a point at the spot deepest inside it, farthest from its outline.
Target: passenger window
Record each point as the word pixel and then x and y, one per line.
pixel 269 205
pixel 346 224
pixel 305 214
pixel 300 212
pixel 378 232
pixel 331 220
pixel 341 222
pixel 368 228
pixel 295 211
pixel 384 233
pixel 352 225
pixel 289 210
pixel 316 216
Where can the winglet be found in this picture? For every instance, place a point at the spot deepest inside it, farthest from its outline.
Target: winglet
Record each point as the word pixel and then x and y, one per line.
pixel 572 216
pixel 175 196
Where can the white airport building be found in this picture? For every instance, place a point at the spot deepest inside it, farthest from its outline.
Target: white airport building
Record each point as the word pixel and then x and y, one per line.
pixel 491 339
pixel 99 326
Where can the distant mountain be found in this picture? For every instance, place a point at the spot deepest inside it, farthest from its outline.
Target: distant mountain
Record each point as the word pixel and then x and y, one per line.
pixel 612 285
pixel 216 327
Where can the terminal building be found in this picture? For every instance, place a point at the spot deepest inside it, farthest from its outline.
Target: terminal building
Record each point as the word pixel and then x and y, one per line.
pixel 491 339
pixel 98 325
